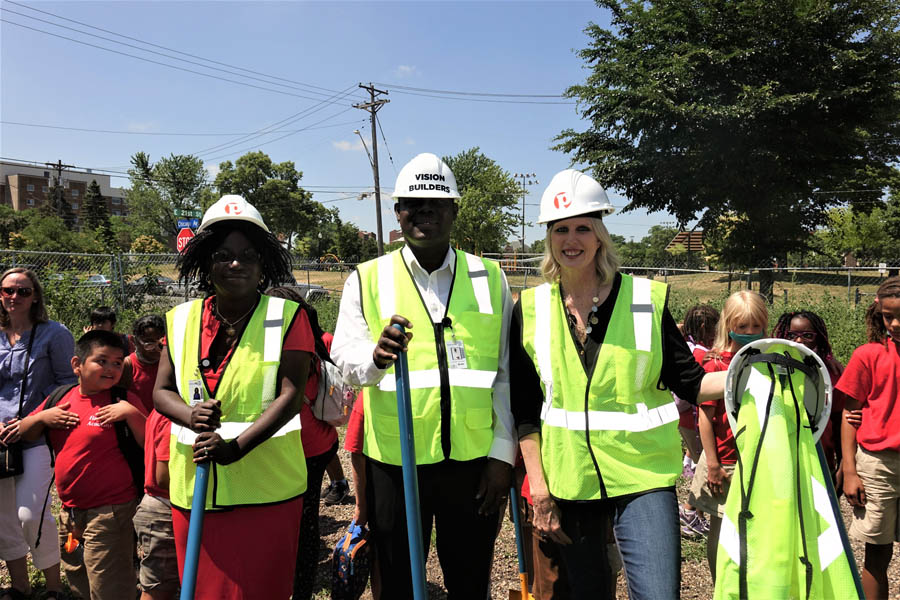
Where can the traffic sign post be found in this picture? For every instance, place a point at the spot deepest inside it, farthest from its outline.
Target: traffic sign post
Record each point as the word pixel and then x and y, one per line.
pixel 182 239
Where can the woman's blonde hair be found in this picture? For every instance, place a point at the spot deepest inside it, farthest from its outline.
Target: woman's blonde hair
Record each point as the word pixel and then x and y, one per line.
pixel 606 259
pixel 740 306
pixel 38 310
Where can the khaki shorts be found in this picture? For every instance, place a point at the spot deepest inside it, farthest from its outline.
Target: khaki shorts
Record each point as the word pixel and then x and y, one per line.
pixel 156 545
pixel 700 496
pixel 877 522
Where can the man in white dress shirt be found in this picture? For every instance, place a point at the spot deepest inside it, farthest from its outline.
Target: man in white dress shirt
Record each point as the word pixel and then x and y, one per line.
pixel 456 308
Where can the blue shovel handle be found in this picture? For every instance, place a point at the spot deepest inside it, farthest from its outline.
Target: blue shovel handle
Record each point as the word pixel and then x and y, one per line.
pixel 410 479
pixel 195 533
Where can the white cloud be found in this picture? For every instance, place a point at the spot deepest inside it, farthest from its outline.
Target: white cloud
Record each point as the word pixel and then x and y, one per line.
pixel 141 127
pixel 212 170
pixel 403 71
pixel 345 146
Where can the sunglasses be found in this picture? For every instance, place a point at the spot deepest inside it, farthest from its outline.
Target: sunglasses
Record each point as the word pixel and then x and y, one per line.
pixel 149 344
pixel 806 336
pixel 248 256
pixel 23 292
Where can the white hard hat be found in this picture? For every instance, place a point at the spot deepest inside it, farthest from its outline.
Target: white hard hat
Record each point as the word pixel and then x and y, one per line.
pixel 426 176
pixel 570 194
pixel 231 208
pixel 748 373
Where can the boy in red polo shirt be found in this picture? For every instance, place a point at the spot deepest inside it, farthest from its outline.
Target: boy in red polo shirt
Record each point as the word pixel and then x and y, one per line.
pixel 93 479
pixel 871 462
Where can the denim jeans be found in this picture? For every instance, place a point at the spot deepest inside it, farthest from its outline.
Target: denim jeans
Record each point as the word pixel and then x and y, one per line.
pixel 646 529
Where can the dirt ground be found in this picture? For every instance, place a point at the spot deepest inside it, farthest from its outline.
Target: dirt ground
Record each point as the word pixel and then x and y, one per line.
pixel 696 583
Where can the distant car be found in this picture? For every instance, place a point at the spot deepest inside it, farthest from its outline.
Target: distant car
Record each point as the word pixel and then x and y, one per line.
pixel 158 286
pixel 97 280
pixel 312 292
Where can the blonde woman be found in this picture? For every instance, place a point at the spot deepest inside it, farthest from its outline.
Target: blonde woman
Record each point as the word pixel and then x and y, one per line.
pixel 596 354
pixel 744 319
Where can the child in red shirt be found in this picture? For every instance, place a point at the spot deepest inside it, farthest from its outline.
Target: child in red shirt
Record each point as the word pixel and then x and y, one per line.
pixel 744 319
pixel 93 479
pixel 139 372
pixel 871 462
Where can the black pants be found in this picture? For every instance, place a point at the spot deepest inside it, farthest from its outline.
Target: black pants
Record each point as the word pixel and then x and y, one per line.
pixel 464 539
pixel 308 550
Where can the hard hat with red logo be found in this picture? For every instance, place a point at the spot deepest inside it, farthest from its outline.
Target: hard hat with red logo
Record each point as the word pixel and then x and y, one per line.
pixel 231 208
pixel 426 176
pixel 570 194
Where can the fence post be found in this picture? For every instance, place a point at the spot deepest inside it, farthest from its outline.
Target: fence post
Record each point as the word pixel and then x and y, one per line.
pixel 856 298
pixel 749 283
pixel 307 276
pixel 729 281
pixel 849 283
pixel 525 284
pixel 785 296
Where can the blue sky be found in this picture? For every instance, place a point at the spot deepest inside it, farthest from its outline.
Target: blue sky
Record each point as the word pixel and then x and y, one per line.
pixel 321 51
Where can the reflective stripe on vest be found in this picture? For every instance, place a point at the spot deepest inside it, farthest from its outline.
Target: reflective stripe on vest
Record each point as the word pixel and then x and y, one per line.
pixel 475 314
pixel 631 425
pixel 275 470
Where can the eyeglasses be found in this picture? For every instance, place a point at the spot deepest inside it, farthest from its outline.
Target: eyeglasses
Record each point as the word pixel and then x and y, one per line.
pixel 23 292
pixel 248 256
pixel 806 336
pixel 149 344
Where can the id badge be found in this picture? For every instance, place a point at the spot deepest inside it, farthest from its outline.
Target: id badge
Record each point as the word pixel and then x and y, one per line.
pixel 456 355
pixel 195 387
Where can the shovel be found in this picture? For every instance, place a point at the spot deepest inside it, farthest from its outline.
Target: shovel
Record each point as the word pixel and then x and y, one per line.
pixel 195 533
pixel 410 478
pixel 522 593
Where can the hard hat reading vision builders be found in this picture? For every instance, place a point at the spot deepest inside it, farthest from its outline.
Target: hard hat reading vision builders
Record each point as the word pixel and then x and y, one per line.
pixel 426 176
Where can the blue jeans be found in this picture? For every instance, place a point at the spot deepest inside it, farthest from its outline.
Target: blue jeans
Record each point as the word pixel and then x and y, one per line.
pixel 646 529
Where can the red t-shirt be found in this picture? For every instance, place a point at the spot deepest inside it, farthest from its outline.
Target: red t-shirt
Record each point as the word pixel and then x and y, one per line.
pixel 353 438
pixel 299 337
pixel 90 469
pixel 156 449
pixel 725 447
pixel 143 378
pixel 872 377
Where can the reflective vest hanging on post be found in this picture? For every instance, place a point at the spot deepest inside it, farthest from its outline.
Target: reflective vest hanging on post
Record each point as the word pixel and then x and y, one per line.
pixel 782 535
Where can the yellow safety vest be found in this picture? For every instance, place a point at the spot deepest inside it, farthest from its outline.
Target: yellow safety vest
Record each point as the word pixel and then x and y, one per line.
pixel 449 399
pixel 614 432
pixel 275 470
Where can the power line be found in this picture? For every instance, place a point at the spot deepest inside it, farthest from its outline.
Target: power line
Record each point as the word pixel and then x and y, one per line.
pixel 482 99
pixel 384 139
pixel 163 133
pixel 498 95
pixel 156 62
pixel 162 47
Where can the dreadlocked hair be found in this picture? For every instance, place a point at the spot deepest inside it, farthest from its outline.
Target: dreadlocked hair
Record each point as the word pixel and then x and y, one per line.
pixel 700 324
pixel 823 345
pixel 196 260
pixel 876 331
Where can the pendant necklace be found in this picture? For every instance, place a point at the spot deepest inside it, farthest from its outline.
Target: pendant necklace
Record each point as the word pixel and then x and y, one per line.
pixel 229 325
pixel 592 318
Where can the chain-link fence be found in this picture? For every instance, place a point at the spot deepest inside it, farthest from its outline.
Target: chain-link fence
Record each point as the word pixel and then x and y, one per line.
pixel 135 283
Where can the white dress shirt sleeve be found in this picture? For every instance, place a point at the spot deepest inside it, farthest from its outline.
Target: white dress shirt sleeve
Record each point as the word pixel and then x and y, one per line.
pixel 352 347
pixel 505 442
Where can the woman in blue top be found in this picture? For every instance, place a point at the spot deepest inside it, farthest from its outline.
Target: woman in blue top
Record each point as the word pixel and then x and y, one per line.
pixel 36 351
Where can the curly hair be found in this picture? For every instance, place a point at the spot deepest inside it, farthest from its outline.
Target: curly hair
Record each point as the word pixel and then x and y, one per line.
pixel 876 331
pixel 823 345
pixel 700 324
pixel 196 261
pixel 149 322
pixel 38 311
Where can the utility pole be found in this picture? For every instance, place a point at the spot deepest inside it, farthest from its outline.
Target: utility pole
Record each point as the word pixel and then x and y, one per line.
pixel 527 179
pixel 372 107
pixel 59 166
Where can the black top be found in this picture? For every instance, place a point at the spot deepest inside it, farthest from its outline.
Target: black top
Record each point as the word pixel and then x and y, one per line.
pixel 680 372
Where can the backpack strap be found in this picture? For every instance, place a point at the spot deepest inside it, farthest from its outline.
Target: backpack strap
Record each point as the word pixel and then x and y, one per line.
pixel 128 445
pixel 52 400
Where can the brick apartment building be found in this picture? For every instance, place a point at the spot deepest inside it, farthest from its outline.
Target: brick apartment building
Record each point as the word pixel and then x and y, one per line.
pixel 24 186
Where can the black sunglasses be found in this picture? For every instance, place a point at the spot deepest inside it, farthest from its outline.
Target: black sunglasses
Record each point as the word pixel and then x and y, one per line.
pixel 23 292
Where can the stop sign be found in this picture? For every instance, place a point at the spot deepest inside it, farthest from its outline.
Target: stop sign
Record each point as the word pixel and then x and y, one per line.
pixel 182 239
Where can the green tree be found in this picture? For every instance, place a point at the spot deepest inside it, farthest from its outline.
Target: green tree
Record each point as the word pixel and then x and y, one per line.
pixel 96 215
pixel 761 108
pixel 176 182
pixel 56 204
pixel 11 221
pixel 487 207
pixel 274 189
pixel 49 233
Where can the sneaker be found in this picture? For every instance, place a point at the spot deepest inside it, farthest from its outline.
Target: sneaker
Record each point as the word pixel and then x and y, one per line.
pixel 337 492
pixel 692 524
